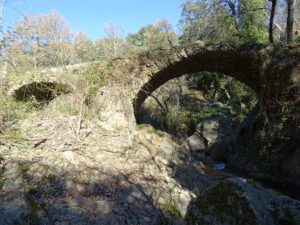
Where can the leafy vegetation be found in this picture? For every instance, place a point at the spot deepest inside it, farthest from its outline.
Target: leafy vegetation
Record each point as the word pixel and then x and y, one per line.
pixel 94 77
pixel 233 21
pixel 154 36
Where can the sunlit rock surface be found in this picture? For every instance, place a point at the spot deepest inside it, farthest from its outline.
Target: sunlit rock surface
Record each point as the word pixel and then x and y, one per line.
pixel 233 201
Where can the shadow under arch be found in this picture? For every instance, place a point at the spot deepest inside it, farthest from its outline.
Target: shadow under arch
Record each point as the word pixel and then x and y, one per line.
pixel 241 63
pixel 42 92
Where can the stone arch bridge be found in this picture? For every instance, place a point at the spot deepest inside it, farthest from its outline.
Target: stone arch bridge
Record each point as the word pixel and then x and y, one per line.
pixel 270 71
pixel 273 72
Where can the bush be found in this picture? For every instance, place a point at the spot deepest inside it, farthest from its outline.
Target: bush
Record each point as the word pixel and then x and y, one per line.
pixel 94 78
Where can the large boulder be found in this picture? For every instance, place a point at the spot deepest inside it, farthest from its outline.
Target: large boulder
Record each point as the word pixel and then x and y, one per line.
pixel 210 131
pixel 209 128
pixel 216 128
pixel 114 109
pixel 197 144
pixel 233 201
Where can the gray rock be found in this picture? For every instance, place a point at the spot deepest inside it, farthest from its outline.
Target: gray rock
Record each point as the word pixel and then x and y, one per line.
pixel 233 201
pixel 15 210
pixel 131 206
pixel 62 215
pixel 196 143
pixel 209 129
pixel 215 128
pixel 114 109
pixel 189 176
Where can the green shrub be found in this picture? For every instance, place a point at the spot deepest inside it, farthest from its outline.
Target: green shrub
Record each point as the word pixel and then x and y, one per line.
pixel 93 77
pixel 177 121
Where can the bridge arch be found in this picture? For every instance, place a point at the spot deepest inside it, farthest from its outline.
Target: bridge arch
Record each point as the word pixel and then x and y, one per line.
pixel 240 63
pixel 42 92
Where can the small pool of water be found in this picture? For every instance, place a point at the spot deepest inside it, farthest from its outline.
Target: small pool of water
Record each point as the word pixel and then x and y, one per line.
pixel 278 188
pixel 275 187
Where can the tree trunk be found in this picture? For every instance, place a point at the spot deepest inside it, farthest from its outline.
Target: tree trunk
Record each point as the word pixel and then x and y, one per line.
pixel 290 20
pixel 234 14
pixel 271 39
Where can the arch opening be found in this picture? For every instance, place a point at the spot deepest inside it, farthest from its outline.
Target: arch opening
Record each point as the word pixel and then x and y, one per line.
pixel 40 92
pixel 180 104
pixel 240 64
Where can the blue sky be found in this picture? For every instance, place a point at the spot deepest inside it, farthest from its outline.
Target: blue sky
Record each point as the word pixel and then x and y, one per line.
pixel 90 16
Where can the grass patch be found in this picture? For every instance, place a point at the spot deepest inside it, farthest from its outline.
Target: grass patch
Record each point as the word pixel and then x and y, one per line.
pixel 15 110
pixel 13 135
pixel 171 210
pixel 20 76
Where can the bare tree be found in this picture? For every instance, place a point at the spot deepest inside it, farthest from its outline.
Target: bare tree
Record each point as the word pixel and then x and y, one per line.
pixel 114 40
pixel 41 40
pixel 166 29
pixel 272 16
pixel 85 49
pixel 5 38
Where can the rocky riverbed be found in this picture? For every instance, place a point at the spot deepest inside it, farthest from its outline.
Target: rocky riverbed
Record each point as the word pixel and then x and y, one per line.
pixel 54 172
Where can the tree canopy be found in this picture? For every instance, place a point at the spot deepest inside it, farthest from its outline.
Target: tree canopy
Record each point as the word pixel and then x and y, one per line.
pixel 224 20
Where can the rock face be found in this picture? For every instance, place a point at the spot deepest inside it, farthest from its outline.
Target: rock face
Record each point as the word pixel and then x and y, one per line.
pixel 114 109
pixel 233 201
pixel 101 178
pixel 15 210
pixel 132 207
